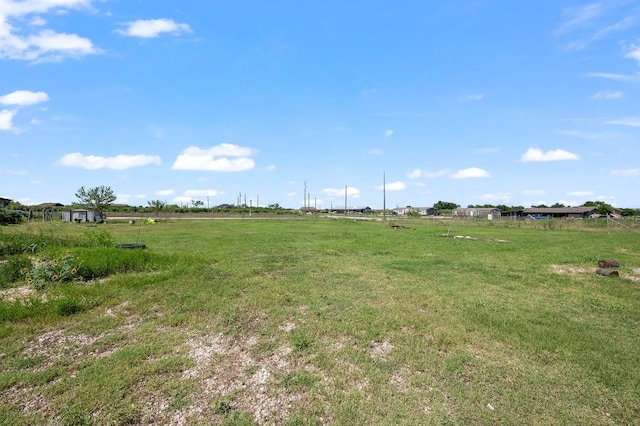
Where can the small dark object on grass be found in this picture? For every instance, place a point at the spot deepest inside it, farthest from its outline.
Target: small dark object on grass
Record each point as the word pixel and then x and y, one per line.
pixel 607 272
pixel 131 246
pixel 608 263
pixel 132 222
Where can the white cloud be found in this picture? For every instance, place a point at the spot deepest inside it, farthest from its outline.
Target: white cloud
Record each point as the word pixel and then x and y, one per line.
pixel 626 172
pixel 339 192
pixel 271 167
pixel 24 39
pixel 471 173
pixel 6 119
pixel 202 193
pixel 616 77
pixel 165 192
pixel 472 97
pixel 393 186
pixel 536 155
pixel 633 52
pixel 119 162
pixel 581 193
pixel 502 198
pixel 534 192
pixel 216 158
pixel 584 135
pixel 388 133
pixel 13 172
pixel 418 173
pixel 607 94
pixel 579 17
pixel 488 150
pixel 631 122
pixel 23 98
pixel 151 28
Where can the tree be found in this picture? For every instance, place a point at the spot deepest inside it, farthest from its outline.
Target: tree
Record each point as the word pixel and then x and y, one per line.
pixel 157 205
pixel 627 212
pixel 197 203
pixel 444 205
pixel 603 208
pixel 97 198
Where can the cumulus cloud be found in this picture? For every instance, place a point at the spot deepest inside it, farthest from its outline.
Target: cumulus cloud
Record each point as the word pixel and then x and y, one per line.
pixel 220 158
pixel 6 119
pixel 537 155
pixel 388 133
pixel 23 39
pixel 626 172
pixel 151 28
pixel 471 173
pixel 418 173
pixel 119 162
pixel 633 52
pixel 23 98
pixel 164 192
pixel 393 186
pixel 339 192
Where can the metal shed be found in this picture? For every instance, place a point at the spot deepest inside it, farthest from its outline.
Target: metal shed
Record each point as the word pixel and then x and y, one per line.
pixel 81 215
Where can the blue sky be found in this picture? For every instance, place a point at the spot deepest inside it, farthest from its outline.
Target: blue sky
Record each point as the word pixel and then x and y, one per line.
pixel 465 101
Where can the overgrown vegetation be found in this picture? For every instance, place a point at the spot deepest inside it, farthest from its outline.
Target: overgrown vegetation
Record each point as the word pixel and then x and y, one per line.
pixel 323 322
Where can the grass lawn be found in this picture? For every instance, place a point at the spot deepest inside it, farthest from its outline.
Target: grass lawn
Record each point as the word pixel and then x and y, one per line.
pixel 305 322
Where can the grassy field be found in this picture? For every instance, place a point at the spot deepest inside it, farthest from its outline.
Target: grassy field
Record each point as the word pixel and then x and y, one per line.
pixel 305 322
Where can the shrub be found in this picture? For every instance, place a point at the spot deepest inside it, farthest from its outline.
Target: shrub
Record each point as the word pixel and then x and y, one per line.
pixel 14 269
pixel 8 216
pixel 103 261
pixel 53 271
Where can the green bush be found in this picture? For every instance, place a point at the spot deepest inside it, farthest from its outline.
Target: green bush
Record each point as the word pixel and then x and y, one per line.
pixel 8 216
pixel 45 272
pixel 14 269
pixel 100 262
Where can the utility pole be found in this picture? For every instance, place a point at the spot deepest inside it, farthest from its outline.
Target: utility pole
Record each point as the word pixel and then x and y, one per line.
pixel 384 195
pixel 304 201
pixel 345 200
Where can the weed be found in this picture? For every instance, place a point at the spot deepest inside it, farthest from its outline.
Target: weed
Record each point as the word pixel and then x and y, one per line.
pixel 14 269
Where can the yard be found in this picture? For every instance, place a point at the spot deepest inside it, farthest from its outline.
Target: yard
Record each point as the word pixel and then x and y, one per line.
pixel 305 322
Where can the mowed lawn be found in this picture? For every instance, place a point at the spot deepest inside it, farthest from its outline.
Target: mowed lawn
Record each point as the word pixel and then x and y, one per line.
pixel 318 321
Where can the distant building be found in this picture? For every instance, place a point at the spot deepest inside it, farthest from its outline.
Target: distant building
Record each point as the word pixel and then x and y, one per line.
pixel 81 215
pixel 477 212
pixel 4 203
pixel 423 211
pixel 353 210
pixel 559 212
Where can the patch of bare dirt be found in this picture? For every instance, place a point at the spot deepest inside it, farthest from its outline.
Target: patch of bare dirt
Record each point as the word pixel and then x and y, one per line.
pixel 16 293
pixel 379 350
pixel 227 369
pixel 570 270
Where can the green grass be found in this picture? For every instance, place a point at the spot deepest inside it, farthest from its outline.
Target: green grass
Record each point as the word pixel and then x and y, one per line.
pixel 306 322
